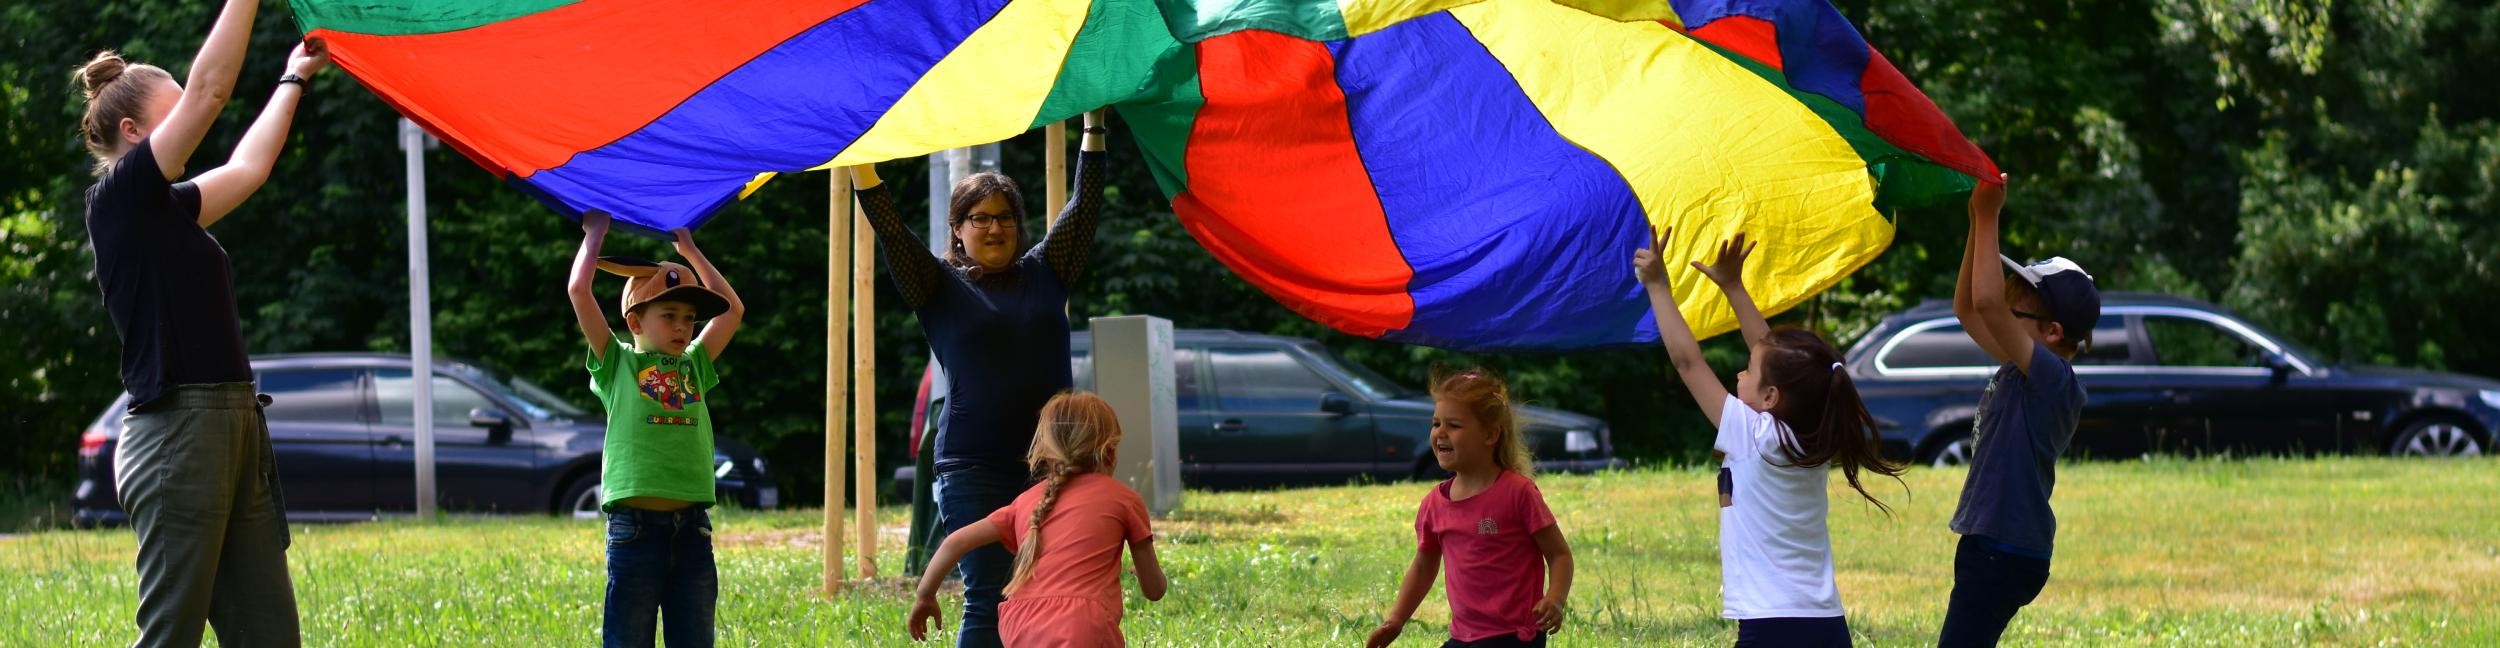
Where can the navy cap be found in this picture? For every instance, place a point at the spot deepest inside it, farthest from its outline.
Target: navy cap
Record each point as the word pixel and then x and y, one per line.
pixel 2068 292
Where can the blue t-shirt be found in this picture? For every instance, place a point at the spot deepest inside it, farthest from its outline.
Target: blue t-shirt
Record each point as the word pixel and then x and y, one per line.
pixel 2024 425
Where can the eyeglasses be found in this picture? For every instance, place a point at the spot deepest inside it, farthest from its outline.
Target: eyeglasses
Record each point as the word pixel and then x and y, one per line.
pixel 2030 316
pixel 986 221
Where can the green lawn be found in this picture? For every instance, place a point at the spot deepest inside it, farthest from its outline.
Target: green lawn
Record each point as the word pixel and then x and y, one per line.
pixel 2161 553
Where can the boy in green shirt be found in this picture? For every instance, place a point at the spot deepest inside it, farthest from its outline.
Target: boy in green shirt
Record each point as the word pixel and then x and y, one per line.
pixel 656 470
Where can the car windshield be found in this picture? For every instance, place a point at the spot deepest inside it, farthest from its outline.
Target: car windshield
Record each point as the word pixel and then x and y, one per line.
pixel 1371 382
pixel 540 403
pixel 2289 346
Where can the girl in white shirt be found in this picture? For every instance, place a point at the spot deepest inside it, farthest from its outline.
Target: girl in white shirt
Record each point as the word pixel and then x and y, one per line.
pixel 1775 551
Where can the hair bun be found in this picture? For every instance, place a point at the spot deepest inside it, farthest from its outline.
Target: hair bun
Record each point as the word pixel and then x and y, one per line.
pixel 101 71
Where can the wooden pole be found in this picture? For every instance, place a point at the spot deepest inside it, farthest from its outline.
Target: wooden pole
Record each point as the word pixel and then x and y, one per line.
pixel 1055 168
pixel 864 394
pixel 837 354
pixel 1055 173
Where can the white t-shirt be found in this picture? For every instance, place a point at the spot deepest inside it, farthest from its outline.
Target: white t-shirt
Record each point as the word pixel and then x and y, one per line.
pixel 1775 549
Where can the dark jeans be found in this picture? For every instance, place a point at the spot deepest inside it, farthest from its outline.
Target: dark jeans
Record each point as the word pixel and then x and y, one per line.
pixel 659 568
pixel 1989 586
pixel 198 478
pixel 1498 641
pixel 1798 632
pixel 967 495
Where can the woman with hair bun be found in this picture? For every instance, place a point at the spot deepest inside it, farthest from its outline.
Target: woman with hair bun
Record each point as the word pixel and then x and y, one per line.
pixel 193 468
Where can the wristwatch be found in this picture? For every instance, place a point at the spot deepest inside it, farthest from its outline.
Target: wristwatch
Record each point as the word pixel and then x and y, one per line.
pixel 292 78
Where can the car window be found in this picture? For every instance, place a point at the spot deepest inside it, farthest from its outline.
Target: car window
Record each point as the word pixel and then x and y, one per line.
pixel 1184 375
pixel 1948 346
pixel 1364 378
pixel 537 401
pixel 1935 348
pixel 2191 342
pixel 311 395
pixel 452 399
pixel 1264 379
pixel 1185 378
pixel 2111 345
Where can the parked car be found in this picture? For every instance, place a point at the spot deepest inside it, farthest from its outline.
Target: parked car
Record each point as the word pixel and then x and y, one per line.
pixel 2174 375
pixel 341 425
pixel 1260 411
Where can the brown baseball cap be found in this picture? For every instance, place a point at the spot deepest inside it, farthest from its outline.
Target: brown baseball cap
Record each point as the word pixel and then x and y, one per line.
pixel 649 281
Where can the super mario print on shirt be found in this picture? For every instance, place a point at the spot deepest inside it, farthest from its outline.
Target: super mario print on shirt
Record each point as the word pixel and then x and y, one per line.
pixel 659 426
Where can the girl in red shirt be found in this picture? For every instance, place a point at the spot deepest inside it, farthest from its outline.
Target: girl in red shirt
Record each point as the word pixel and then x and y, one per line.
pixel 1487 527
pixel 1066 531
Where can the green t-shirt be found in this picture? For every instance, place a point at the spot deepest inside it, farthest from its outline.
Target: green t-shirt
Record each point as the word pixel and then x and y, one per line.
pixel 659 425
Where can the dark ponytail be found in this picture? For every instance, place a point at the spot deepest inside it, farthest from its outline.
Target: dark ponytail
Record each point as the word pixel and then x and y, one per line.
pixel 1828 422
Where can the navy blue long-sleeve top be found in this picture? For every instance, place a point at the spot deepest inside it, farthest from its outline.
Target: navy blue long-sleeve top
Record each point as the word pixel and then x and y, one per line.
pixel 1003 335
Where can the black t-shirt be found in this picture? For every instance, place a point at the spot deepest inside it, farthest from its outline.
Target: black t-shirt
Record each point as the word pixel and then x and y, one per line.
pixel 165 281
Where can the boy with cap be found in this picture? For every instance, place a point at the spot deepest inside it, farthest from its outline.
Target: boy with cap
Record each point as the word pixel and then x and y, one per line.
pixel 2026 417
pixel 655 473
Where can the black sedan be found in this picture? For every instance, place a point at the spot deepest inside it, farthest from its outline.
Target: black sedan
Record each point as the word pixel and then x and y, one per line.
pixel 1265 411
pixel 342 428
pixel 2173 375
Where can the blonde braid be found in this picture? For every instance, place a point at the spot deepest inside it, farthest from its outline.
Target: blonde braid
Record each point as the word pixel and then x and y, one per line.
pixel 1031 551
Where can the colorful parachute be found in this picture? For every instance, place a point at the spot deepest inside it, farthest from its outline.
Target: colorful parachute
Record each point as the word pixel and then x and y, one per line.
pixel 1471 174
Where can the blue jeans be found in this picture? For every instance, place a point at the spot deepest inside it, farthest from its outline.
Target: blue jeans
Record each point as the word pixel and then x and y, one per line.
pixel 968 495
pixel 659 565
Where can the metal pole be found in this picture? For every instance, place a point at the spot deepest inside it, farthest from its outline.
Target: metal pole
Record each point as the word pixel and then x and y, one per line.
pixel 420 316
pixel 918 545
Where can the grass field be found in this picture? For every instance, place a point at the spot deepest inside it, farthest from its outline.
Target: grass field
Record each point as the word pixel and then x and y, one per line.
pixel 2160 552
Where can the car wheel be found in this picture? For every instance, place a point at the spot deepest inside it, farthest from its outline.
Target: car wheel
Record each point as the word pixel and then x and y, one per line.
pixel 1955 452
pixel 2436 438
pixel 580 498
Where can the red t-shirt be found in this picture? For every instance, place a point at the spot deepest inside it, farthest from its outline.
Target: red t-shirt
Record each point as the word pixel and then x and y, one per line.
pixel 1489 556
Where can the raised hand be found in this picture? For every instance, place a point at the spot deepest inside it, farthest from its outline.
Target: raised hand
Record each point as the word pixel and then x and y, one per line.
pixel 595 223
pixel 685 243
pixel 864 176
pixel 309 57
pixel 1988 198
pixel 1646 264
pixel 1730 268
